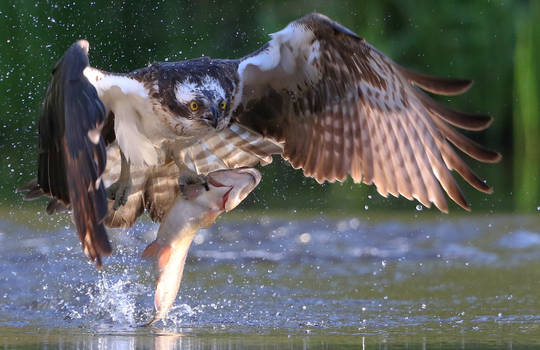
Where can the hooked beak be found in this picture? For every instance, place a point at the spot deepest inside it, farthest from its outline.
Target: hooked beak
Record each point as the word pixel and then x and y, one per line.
pixel 213 118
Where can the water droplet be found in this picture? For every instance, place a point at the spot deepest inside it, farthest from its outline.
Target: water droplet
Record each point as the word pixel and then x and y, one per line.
pixel 305 237
pixel 199 239
pixel 419 207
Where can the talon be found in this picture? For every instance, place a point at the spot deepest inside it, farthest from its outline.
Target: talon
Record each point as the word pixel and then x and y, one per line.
pixel 119 193
pixel 111 191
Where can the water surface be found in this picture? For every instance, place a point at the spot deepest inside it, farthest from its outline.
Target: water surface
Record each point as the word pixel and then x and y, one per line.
pixel 271 281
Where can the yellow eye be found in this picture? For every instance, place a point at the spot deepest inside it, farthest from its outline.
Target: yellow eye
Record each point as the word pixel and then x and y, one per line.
pixel 223 105
pixel 194 105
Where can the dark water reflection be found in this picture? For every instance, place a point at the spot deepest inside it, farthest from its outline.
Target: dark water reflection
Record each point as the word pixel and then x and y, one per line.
pixel 214 340
pixel 274 282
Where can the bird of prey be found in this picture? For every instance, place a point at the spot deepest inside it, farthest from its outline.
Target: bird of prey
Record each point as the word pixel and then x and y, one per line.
pixel 317 94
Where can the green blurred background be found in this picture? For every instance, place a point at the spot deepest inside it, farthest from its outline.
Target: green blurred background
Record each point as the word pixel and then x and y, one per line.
pixel 496 43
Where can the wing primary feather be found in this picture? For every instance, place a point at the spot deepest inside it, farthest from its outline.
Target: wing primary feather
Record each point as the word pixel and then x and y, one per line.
pixel 379 175
pixel 467 145
pixel 447 182
pixel 292 148
pixel 334 157
pixel 319 152
pixel 314 149
pixel 70 162
pixel 418 189
pixel 377 134
pixel 417 154
pixel 358 157
pixel 453 162
pixel 318 155
pixel 342 156
pixel 326 167
pixel 394 162
pixel 389 155
pixel 309 141
pixel 306 138
pixel 437 85
pixel 467 121
pixel 367 155
pixel 400 144
pixel 425 135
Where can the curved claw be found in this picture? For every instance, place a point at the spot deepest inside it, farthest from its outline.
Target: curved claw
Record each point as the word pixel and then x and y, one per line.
pixel 119 192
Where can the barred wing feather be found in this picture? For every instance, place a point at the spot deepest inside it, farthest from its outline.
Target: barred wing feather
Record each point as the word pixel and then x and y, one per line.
pixel 233 147
pixel 341 108
pixel 155 188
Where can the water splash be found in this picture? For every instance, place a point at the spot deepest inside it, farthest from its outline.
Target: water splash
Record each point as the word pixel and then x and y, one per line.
pixel 312 274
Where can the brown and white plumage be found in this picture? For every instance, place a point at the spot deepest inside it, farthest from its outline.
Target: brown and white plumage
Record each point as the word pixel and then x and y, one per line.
pixel 317 94
pixel 156 188
pixel 341 108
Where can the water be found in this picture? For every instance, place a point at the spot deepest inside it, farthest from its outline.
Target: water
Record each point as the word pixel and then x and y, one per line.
pixel 267 282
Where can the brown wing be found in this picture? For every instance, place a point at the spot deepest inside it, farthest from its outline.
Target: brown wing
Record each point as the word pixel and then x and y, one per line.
pixel 233 147
pixel 342 108
pixel 72 153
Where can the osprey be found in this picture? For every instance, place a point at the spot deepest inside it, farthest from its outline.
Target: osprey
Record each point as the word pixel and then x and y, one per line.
pixel 317 94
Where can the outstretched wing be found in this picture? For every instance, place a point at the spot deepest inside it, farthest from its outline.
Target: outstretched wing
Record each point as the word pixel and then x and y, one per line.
pixel 341 108
pixel 71 150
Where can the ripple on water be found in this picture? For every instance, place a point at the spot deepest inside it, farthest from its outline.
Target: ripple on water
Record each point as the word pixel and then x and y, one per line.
pixel 316 274
pixel 520 239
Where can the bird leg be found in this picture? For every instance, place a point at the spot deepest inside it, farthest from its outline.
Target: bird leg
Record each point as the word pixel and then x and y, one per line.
pixel 119 191
pixel 188 180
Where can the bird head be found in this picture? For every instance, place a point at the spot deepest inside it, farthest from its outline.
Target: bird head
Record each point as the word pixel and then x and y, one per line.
pixel 205 101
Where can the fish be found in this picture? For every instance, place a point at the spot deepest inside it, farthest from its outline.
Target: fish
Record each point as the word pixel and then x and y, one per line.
pixel 197 208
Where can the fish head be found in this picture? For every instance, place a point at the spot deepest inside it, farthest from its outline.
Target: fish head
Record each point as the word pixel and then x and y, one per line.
pixel 229 187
